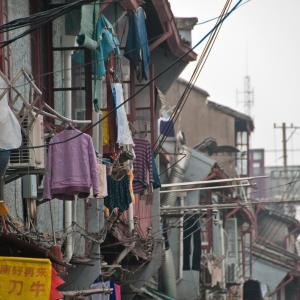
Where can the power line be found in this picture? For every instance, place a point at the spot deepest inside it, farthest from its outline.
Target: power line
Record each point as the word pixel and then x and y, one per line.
pixel 21 22
pixel 202 59
pixel 39 19
pixel 76 67
pixel 212 19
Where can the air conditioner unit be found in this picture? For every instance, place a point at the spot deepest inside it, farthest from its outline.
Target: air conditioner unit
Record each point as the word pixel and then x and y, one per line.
pixel 232 258
pixel 33 135
pixel 216 296
pixel 231 273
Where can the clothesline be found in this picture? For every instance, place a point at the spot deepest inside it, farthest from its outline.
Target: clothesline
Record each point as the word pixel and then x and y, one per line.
pixel 202 182
pixel 221 206
pixel 206 188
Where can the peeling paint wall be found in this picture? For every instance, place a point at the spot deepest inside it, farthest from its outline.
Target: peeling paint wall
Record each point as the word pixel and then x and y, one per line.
pixel 20 57
pixel 207 122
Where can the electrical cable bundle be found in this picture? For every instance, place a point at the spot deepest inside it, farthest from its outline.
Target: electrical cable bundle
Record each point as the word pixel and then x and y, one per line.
pixel 37 20
pixel 169 67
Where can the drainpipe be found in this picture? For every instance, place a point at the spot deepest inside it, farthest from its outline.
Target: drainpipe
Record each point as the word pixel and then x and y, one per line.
pixel 181 240
pixel 68 112
pixel 167 271
pixel 167 276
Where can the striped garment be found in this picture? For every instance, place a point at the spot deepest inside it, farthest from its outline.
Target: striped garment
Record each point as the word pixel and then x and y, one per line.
pixel 142 166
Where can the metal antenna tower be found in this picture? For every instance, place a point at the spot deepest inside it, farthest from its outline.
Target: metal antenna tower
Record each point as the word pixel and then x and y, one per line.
pixel 248 93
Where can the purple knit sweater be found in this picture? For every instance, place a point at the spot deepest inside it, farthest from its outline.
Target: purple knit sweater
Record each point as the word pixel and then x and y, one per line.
pixel 71 167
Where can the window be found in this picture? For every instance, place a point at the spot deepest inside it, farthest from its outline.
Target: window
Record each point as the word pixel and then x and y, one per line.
pixel 257 155
pixel 67 56
pixel 256 165
pixel 242 144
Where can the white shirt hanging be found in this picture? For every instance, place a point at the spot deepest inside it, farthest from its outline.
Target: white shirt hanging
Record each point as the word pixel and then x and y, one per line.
pixel 124 133
pixel 10 130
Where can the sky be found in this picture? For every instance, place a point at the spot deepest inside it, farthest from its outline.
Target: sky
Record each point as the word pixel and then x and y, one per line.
pixel 260 39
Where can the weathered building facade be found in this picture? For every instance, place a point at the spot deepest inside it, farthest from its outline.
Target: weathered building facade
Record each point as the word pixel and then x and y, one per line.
pixel 215 149
pixel 77 233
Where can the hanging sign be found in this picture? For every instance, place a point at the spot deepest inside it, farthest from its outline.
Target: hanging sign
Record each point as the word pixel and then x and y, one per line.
pixel 24 278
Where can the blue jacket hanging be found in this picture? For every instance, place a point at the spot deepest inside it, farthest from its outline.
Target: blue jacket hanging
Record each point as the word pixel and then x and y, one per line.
pixel 107 43
pixel 137 49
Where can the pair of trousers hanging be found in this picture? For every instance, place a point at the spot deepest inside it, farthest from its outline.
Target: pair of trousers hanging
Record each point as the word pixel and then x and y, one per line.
pixel 191 243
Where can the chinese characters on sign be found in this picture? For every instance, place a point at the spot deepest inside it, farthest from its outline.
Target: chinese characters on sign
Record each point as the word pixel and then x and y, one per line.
pixel 24 278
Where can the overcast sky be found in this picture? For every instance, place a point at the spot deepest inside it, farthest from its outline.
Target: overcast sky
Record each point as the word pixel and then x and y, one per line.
pixel 260 39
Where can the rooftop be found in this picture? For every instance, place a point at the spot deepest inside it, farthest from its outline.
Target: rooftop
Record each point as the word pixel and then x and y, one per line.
pixel 185 23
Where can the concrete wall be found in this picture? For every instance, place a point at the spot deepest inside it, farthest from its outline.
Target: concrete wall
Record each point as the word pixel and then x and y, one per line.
pixel 20 56
pixel 207 122
pixel 20 49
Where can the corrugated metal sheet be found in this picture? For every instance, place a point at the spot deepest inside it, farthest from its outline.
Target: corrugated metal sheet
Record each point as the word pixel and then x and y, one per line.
pixel 268 273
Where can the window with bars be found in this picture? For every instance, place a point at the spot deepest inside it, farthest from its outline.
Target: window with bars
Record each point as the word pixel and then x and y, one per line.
pixel 242 144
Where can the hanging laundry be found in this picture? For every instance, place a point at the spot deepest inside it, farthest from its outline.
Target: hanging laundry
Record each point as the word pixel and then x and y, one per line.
pixel 166 125
pixel 156 180
pixel 131 177
pixel 116 294
pixel 137 49
pixel 99 285
pixel 105 129
pixel 56 281
pixel 118 193
pixel 191 229
pixel 102 39
pixel 10 129
pixel 142 165
pixel 99 36
pixel 107 43
pixel 72 166
pixel 102 181
pixel 4 158
pixel 143 214
pixel 124 133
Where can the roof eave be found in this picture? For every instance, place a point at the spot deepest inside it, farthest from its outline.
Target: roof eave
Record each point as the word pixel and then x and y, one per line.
pixel 234 113
pixel 126 4
pixel 174 42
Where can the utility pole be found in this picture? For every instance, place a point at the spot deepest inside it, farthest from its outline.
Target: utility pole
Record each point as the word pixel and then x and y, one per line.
pixel 284 141
pixel 284 128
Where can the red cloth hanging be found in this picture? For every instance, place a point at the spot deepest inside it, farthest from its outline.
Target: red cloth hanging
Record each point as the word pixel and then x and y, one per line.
pixel 56 282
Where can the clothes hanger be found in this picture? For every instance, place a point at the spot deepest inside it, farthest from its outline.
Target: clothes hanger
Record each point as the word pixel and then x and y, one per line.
pixel 132 129
pixel 69 126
